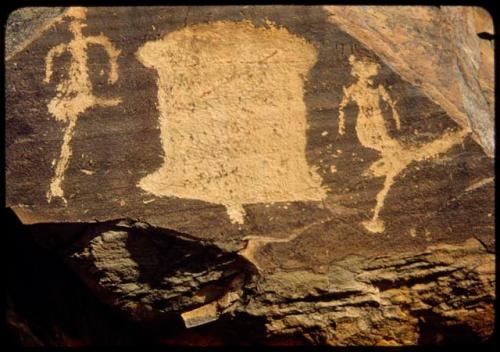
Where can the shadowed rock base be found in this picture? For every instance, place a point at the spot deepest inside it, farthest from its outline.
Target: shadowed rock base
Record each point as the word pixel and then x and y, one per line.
pixel 439 296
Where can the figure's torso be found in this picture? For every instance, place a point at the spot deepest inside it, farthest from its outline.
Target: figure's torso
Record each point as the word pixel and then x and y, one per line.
pixel 370 124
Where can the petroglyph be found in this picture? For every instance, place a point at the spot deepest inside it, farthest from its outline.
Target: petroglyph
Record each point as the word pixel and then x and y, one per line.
pixel 232 116
pixel 480 184
pixel 475 186
pixel 255 243
pixel 372 133
pixel 74 95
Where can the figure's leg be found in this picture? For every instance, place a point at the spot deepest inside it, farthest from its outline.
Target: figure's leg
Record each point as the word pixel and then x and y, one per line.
pixel 440 145
pixel 55 189
pixel 377 169
pixel 376 225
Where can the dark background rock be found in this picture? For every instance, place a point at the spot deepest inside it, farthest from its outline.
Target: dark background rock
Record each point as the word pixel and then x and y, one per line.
pixel 113 267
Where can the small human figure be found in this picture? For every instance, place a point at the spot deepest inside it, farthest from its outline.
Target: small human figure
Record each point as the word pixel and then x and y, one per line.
pixel 74 94
pixel 372 133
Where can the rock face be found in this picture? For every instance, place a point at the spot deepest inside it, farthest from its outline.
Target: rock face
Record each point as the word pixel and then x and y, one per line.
pixel 427 46
pixel 326 171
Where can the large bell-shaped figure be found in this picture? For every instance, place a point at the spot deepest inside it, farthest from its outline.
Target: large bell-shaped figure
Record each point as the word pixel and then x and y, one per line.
pixel 232 115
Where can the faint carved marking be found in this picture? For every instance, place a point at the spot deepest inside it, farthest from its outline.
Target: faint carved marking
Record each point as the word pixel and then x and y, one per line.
pixel 255 243
pixel 87 172
pixel 372 133
pixel 475 186
pixel 343 49
pixel 480 184
pixel 232 115
pixel 74 95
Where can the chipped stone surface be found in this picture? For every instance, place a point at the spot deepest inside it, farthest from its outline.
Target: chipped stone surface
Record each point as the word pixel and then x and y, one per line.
pixel 402 299
pixel 150 273
pixel 26 24
pixel 305 170
pixel 391 299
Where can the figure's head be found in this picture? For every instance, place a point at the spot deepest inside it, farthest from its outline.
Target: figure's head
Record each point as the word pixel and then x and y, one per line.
pixel 77 16
pixel 76 12
pixel 363 68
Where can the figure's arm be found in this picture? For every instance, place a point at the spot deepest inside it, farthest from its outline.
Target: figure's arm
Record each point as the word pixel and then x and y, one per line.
pixel 112 52
pixel 345 100
pixel 392 104
pixel 49 60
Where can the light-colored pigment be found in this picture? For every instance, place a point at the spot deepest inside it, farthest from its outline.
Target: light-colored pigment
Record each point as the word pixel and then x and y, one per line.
pixel 372 133
pixel 74 94
pixel 232 115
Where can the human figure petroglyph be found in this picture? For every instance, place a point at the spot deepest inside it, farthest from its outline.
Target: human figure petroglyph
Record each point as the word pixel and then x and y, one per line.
pixel 372 133
pixel 232 116
pixel 74 94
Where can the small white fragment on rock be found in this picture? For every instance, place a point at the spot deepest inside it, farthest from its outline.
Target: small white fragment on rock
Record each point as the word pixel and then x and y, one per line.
pixel 324 133
pixel 413 232
pixel 87 172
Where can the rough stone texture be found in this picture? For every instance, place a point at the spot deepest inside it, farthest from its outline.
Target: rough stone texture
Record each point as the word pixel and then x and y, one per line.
pixel 442 295
pixel 398 246
pixel 149 273
pixel 25 25
pixel 437 49
pixel 387 300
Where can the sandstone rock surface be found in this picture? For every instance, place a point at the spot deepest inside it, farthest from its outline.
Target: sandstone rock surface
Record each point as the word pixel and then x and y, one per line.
pixel 323 172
